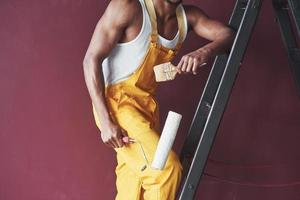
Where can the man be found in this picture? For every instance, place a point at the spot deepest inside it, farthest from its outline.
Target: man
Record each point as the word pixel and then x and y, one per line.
pixel 131 38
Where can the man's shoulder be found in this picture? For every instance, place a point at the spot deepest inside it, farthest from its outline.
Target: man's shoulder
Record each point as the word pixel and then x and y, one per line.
pixel 192 9
pixel 125 5
pixel 124 2
pixel 124 10
pixel 193 12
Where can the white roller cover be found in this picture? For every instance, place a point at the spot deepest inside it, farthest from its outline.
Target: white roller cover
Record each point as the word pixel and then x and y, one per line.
pixel 166 140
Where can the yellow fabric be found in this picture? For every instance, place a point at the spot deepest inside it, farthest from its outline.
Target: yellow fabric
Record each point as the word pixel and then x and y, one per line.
pixel 132 103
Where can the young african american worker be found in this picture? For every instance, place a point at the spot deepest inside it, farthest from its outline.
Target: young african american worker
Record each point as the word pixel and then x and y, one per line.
pixel 131 37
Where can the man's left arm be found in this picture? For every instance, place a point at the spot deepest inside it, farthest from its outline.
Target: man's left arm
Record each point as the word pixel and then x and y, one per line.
pixel 220 35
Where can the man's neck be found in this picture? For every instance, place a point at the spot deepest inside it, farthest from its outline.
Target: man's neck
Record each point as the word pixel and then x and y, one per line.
pixel 164 10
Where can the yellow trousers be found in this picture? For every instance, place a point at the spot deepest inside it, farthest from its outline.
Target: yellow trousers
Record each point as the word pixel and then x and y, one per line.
pixel 134 182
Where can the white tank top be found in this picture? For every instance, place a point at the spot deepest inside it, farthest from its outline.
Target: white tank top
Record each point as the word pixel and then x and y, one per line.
pixel 125 58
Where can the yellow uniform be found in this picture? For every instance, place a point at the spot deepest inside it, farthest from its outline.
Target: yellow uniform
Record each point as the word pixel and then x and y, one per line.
pixel 132 104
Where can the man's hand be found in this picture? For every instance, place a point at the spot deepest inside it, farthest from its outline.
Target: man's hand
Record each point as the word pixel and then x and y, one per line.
pixel 190 62
pixel 112 135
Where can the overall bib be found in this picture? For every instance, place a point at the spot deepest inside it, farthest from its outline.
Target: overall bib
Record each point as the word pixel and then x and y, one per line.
pixel 133 106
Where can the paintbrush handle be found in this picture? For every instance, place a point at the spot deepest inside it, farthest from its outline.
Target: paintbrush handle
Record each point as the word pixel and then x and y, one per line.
pixel 167 71
pixel 171 74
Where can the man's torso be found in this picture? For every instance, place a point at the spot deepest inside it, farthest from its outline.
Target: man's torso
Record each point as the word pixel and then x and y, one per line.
pixel 128 54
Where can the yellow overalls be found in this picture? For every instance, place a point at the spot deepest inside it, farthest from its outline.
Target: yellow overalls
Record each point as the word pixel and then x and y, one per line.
pixel 132 104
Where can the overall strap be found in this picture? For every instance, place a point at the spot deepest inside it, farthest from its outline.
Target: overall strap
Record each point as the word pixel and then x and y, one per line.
pixel 181 26
pixel 151 11
pixel 180 20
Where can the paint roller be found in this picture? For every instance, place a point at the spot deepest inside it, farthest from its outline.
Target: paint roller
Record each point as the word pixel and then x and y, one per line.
pixel 166 140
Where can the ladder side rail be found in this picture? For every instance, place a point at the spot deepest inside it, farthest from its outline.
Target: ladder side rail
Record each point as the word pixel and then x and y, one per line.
pixel 289 39
pixel 221 99
pixel 295 9
pixel 210 89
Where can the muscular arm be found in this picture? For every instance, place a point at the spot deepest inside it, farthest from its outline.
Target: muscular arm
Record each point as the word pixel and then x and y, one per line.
pixel 220 35
pixel 108 31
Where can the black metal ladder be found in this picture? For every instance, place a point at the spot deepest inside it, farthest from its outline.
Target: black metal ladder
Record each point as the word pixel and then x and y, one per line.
pixel 221 79
pixel 282 17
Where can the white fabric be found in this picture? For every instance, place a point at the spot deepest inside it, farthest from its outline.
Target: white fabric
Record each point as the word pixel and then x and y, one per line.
pixel 125 58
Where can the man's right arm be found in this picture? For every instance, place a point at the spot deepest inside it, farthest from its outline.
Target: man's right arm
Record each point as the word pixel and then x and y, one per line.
pixel 108 31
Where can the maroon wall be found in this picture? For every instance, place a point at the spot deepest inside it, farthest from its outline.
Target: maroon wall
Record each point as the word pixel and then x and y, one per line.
pixel 50 147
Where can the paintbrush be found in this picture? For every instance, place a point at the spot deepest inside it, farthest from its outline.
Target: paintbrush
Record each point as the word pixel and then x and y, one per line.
pixel 166 71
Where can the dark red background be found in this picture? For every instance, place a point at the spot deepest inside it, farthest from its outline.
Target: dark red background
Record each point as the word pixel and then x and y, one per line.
pixel 50 147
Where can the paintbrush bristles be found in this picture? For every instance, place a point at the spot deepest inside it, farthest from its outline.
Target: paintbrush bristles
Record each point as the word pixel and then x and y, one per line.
pixel 165 72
